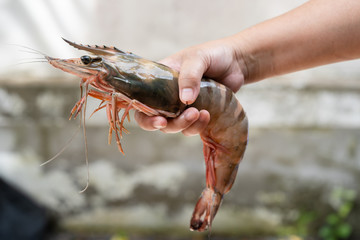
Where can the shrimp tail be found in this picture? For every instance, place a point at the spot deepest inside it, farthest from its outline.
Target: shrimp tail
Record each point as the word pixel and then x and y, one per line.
pixel 205 210
pixel 210 199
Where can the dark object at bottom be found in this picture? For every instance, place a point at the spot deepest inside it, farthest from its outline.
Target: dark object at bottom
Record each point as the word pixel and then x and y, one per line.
pixel 20 217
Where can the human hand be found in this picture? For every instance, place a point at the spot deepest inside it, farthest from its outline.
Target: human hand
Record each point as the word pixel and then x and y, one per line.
pixel 217 60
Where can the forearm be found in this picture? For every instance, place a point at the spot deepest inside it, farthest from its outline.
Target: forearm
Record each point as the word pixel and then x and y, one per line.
pixel 316 33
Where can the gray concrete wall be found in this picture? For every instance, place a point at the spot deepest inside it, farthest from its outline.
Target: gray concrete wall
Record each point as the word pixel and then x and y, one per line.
pixel 304 142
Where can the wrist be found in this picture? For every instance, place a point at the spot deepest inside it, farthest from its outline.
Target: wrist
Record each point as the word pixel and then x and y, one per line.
pixel 254 50
pixel 247 58
pixel 241 59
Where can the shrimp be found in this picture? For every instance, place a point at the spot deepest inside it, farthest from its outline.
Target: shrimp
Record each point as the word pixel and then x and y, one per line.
pixel 123 80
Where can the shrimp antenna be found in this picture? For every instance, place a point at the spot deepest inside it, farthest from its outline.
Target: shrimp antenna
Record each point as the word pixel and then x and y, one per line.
pixel 85 138
pixel 28 49
pixel 21 63
pixel 63 148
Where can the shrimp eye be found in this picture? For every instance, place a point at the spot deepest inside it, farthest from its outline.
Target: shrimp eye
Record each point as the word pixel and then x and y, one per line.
pixel 86 59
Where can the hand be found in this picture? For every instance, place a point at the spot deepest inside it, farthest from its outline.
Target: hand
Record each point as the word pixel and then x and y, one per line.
pixel 190 122
pixel 217 60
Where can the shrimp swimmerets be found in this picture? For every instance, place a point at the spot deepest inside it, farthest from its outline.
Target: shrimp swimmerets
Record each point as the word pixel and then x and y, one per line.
pixel 123 80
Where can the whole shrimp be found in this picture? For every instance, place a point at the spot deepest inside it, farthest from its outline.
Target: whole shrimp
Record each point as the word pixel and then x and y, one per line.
pixel 123 80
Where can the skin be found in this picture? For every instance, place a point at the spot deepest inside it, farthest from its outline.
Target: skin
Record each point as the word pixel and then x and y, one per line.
pixel 318 32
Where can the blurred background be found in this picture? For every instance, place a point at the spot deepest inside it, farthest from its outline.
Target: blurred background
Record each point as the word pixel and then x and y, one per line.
pixel 299 178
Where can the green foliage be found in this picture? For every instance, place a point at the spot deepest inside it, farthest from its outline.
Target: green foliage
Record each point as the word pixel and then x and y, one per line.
pixel 301 227
pixel 304 220
pixel 120 236
pixel 336 224
pixel 330 222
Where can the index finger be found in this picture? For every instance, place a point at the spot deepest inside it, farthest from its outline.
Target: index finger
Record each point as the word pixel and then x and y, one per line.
pixel 150 123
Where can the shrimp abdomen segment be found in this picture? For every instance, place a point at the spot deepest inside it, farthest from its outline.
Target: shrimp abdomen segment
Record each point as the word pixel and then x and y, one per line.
pixel 225 139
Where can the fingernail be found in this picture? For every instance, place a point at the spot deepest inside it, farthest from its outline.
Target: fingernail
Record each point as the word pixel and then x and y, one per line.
pixel 158 125
pixel 187 95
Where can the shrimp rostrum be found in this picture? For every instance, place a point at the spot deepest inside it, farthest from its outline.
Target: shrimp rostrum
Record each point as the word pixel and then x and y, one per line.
pixel 123 80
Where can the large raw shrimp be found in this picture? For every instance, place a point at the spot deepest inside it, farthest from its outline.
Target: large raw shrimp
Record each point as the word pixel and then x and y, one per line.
pixel 125 81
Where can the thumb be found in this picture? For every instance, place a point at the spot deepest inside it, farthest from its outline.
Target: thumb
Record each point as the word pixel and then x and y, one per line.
pixel 190 76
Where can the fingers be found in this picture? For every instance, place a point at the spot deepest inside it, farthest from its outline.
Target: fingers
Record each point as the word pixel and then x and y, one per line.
pixel 150 123
pixel 185 120
pixel 191 72
pixel 199 125
pixel 190 122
